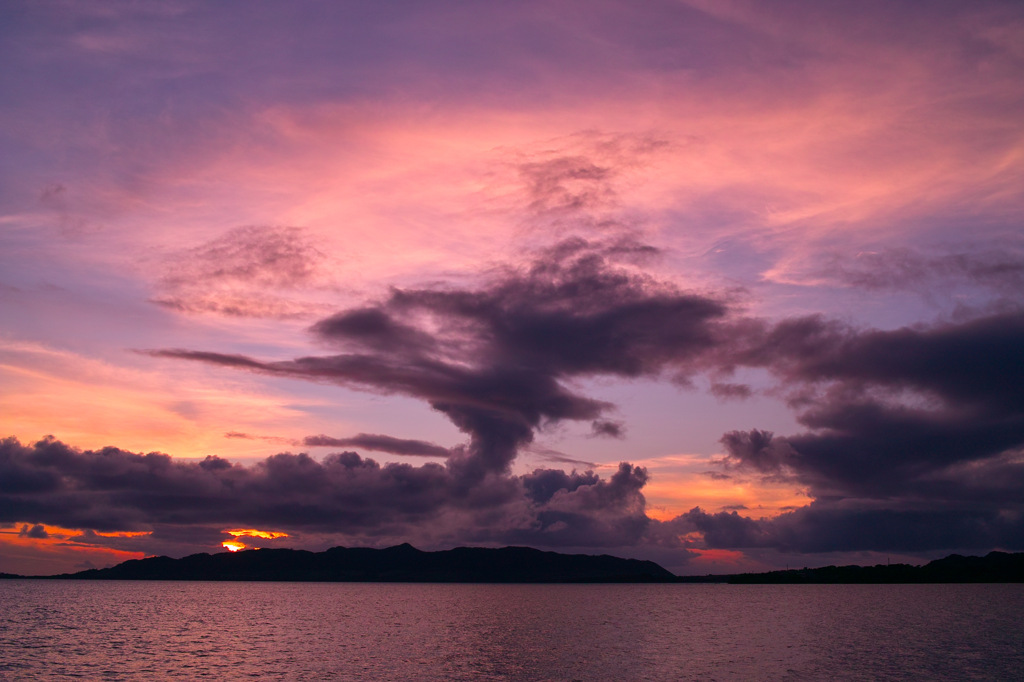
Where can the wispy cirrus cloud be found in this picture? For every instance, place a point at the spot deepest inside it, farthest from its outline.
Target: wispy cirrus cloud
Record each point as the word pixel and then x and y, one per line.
pixel 937 272
pixel 247 272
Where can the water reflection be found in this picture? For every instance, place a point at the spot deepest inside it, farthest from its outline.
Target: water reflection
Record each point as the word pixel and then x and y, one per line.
pixel 157 630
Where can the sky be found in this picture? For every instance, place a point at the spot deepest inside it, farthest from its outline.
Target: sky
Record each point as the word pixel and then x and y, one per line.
pixel 727 285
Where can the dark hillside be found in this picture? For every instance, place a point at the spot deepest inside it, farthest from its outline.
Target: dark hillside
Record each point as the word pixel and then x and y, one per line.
pixel 402 563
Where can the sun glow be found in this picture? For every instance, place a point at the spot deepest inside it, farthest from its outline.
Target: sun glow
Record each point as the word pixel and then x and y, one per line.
pixel 253 533
pixel 235 544
pixel 42 549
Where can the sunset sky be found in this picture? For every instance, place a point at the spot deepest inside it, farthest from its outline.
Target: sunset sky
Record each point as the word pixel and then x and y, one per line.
pixel 727 285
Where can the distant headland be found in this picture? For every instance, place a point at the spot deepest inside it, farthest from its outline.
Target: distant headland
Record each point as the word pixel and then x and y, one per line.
pixel 995 567
pixel 405 563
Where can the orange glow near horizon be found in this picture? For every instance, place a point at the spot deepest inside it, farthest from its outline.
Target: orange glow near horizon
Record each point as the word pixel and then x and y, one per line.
pixel 77 535
pixel 237 545
pixel 59 392
pixel 677 486
pixel 721 561
pixel 253 533
pixel 61 550
pixel 720 555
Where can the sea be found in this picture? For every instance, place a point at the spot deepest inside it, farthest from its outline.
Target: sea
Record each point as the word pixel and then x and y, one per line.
pixel 125 630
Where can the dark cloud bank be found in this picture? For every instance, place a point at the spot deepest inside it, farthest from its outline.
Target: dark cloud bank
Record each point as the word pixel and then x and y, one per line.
pixel 914 437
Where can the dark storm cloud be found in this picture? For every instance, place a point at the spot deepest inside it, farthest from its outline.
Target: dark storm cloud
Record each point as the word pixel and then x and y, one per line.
pixel 542 484
pixel 379 443
pixel 185 502
pixel 823 527
pixel 607 428
pixel 724 530
pixel 36 531
pixel 977 362
pixel 759 450
pixel 111 489
pixel 888 408
pixel 854 525
pixel 915 437
pixel 494 359
pixel 903 426
pixel 582 510
pixel 375 327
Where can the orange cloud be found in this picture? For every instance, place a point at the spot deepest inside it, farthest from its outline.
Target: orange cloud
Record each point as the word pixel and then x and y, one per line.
pixel 95 403
pixel 40 549
pixel 236 544
pixel 678 483
pixel 253 533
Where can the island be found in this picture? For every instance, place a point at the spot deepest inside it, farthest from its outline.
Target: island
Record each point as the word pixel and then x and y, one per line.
pixel 405 563
pixel 995 567
pixel 402 563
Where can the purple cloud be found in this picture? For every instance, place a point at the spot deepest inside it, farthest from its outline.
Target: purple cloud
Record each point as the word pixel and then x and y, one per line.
pixel 341 495
pixel 493 360
pixel 889 413
pixel 379 443
pixel 247 272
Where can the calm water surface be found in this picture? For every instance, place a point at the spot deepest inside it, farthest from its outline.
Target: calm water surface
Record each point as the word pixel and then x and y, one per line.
pixel 348 631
